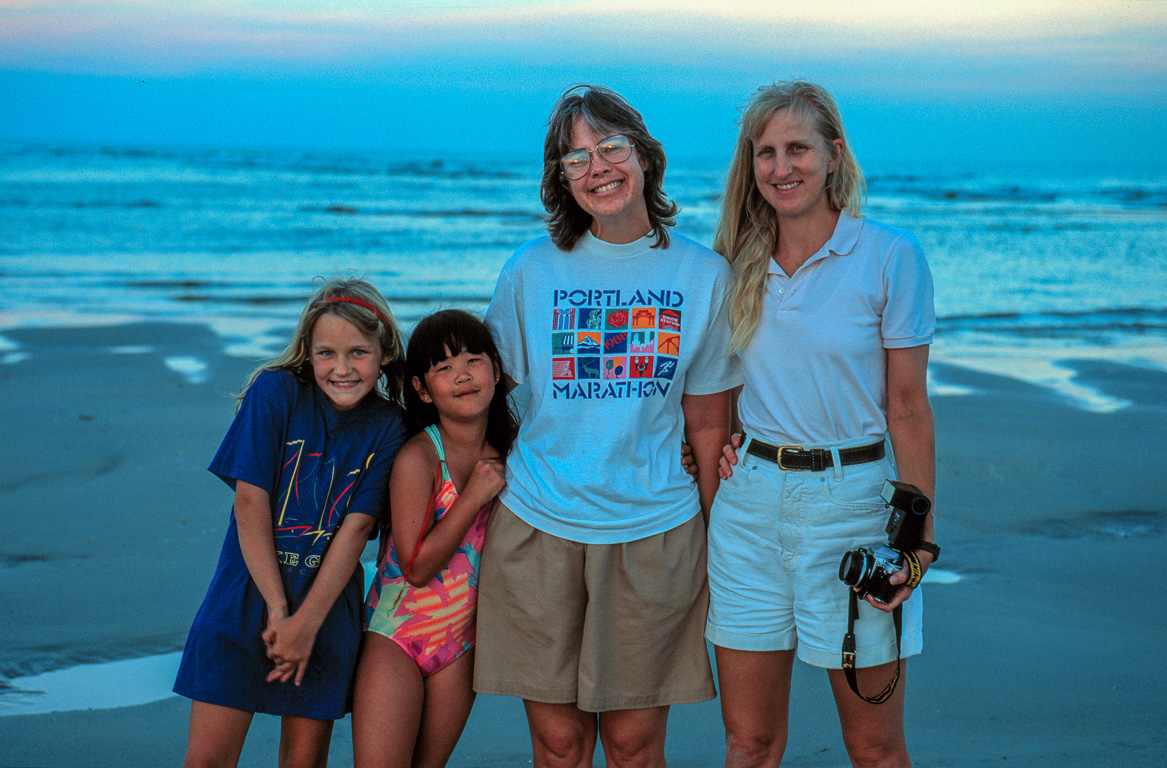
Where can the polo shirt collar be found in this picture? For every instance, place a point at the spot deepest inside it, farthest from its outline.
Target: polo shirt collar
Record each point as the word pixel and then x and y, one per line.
pixel 846 235
pixel 842 242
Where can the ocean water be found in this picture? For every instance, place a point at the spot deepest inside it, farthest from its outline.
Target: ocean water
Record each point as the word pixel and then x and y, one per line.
pixel 1032 265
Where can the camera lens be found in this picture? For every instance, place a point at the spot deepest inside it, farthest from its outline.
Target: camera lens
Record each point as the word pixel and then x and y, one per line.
pixel 854 566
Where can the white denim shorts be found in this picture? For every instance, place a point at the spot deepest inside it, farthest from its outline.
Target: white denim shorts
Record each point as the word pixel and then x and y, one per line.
pixel 775 541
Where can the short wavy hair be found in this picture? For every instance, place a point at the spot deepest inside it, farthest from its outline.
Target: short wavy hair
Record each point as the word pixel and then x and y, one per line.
pixel 607 113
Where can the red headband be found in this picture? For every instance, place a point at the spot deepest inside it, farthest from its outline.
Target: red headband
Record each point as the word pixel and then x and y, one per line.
pixel 359 303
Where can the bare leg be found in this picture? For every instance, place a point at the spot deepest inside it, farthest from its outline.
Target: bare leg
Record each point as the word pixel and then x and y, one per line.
pixel 634 738
pixel 755 705
pixel 387 705
pixel 304 742
pixel 449 696
pixel 872 733
pixel 216 735
pixel 562 735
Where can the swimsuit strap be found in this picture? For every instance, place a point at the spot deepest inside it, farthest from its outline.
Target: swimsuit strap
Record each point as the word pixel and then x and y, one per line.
pixel 436 438
pixel 443 476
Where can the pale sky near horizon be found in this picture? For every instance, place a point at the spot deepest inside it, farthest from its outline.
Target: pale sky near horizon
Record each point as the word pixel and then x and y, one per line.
pixel 1028 79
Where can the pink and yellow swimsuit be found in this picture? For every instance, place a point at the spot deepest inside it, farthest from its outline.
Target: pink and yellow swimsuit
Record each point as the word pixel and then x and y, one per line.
pixel 434 624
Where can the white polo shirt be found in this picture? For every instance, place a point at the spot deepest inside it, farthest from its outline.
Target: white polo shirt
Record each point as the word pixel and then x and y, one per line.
pixel 815 369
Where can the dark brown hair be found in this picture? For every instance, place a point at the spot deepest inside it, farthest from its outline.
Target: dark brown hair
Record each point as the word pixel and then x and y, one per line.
pixel 607 113
pixel 443 334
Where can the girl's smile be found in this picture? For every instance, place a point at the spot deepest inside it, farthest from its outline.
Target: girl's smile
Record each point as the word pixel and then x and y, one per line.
pixel 460 384
pixel 346 363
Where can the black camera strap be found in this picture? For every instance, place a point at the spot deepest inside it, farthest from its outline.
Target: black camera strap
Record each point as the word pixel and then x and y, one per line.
pixel 897 617
pixel 849 652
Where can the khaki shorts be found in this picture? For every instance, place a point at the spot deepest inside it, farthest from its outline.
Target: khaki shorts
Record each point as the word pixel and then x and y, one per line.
pixel 603 626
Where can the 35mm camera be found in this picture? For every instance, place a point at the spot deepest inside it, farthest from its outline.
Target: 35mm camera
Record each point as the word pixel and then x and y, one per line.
pixel 869 568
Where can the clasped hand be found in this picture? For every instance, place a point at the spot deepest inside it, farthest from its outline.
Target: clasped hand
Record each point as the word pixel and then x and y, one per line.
pixel 289 644
pixel 486 480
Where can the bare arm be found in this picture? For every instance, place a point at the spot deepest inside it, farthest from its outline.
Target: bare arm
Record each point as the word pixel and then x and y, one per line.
pixel 735 424
pixel 290 641
pixel 410 491
pixel 258 545
pixel 707 431
pixel 729 451
pixel 913 439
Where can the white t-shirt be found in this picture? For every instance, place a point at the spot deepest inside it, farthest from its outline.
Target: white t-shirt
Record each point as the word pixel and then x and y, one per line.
pixel 815 368
pixel 608 337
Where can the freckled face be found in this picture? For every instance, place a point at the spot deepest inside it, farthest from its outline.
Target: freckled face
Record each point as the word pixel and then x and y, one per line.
pixel 791 163
pixel 345 362
pixel 612 194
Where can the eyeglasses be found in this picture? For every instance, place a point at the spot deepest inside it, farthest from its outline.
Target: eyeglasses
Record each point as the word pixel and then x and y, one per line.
pixel 614 149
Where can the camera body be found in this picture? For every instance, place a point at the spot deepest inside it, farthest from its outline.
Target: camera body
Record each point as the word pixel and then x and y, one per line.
pixel 869 568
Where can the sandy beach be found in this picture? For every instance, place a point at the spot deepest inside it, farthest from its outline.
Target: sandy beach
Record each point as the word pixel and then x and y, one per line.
pixel 1045 649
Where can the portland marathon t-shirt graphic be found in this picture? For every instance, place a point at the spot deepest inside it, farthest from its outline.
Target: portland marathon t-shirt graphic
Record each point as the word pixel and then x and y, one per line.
pixel 608 343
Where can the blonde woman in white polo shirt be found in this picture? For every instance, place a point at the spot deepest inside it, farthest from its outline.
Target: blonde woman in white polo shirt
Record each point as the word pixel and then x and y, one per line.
pixel 831 316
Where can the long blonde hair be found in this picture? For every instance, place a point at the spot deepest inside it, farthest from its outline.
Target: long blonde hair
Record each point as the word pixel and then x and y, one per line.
pixel 329 299
pixel 748 231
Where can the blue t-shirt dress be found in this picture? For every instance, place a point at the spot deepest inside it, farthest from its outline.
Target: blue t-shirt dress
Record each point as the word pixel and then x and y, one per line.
pixel 317 464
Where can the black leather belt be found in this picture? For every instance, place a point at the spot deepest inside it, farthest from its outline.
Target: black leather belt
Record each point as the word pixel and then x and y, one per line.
pixel 814 459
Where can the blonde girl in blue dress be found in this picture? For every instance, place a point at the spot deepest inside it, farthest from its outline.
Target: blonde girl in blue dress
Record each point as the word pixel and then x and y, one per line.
pixel 308 457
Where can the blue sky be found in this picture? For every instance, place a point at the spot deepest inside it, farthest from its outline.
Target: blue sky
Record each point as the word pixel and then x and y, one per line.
pixel 1015 81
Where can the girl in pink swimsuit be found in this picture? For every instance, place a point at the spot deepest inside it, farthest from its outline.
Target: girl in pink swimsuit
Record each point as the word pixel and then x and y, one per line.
pixel 413 689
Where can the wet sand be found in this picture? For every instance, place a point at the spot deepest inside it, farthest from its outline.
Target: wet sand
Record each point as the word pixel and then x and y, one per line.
pixel 1046 652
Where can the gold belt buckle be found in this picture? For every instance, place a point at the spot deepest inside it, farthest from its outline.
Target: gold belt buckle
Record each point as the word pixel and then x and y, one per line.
pixel 782 449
